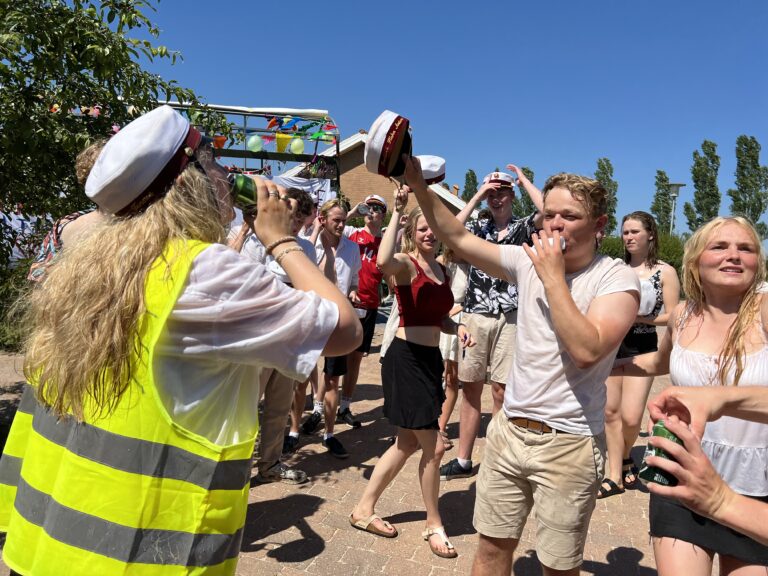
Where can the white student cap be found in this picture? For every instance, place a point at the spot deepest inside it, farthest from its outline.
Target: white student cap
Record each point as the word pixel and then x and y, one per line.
pixel 388 139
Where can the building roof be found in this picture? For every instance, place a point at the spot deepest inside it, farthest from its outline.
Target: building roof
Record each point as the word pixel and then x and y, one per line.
pixel 359 139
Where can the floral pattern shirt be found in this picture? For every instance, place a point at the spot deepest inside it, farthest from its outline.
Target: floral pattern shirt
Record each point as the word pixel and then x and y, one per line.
pixel 486 294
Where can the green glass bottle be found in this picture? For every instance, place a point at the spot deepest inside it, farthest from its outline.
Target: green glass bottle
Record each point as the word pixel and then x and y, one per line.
pixel 244 192
pixel 651 473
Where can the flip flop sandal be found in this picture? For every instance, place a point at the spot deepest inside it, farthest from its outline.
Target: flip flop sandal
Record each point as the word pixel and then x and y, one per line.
pixel 447 442
pixel 613 489
pixel 440 531
pixel 629 470
pixel 366 525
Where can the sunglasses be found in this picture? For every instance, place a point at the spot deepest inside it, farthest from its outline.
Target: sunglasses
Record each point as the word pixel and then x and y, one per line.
pixel 377 208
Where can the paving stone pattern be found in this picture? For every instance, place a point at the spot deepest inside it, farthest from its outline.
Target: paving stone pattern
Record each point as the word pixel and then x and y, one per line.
pixel 304 529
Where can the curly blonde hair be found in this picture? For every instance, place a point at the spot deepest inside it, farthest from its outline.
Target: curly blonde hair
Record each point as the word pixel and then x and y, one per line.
pixel 592 195
pixel 734 349
pixel 86 159
pixel 84 318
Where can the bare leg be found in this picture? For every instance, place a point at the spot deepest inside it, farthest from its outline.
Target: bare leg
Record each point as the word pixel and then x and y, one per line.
pixel 675 557
pixel 432 451
pixel 354 359
pixel 730 566
pixel 493 556
pixel 388 466
pixel 451 392
pixel 634 395
pixel 469 419
pixel 497 391
pixel 331 386
pixel 614 439
pixel 299 397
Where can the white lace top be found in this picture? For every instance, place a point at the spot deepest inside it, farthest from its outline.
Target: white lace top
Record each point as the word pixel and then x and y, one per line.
pixel 738 449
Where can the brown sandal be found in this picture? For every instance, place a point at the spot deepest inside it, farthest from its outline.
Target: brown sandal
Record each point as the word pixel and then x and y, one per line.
pixel 366 525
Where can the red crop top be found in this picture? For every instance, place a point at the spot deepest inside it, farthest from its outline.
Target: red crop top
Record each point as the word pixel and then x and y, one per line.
pixel 424 302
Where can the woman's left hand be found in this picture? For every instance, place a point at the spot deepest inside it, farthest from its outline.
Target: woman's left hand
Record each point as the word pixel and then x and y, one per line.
pixel 464 337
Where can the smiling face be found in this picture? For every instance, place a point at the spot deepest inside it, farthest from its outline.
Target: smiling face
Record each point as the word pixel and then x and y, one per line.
pixel 729 260
pixel 423 237
pixel 568 215
pixel 500 202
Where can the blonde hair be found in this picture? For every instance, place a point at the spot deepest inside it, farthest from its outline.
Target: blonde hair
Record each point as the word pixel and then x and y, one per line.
pixel 86 159
pixel 592 195
pixel 409 231
pixel 330 205
pixel 734 349
pixel 84 318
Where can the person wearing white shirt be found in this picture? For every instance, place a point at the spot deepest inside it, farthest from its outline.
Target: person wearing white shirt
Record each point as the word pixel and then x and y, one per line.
pixel 347 264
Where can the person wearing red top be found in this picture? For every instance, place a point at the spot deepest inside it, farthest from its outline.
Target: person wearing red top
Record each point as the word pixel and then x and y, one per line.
pixel 411 374
pixel 366 298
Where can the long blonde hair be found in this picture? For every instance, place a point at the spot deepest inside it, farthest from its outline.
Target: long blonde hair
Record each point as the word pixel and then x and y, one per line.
pixel 84 318
pixel 734 350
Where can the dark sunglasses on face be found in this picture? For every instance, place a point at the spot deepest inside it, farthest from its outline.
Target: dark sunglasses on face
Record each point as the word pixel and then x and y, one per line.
pixel 376 208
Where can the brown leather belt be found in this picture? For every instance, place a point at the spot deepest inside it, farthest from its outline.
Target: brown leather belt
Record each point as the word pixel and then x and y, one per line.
pixel 532 425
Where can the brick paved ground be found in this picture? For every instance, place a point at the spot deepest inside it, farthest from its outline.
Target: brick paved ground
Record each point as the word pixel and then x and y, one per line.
pixel 304 529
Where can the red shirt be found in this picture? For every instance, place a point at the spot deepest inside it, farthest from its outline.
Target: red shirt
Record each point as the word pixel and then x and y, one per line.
pixel 370 276
pixel 424 302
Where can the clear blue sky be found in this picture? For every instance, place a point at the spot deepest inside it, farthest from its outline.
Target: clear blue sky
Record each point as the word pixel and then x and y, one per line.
pixel 549 85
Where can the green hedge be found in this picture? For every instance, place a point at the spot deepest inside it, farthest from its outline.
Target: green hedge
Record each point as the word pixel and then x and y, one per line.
pixel 12 283
pixel 670 250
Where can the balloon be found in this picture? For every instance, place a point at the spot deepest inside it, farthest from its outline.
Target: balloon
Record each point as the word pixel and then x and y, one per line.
pixel 254 143
pixel 296 146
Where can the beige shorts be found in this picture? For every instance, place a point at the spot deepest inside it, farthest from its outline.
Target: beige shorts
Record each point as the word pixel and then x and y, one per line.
pixel 560 473
pixel 494 335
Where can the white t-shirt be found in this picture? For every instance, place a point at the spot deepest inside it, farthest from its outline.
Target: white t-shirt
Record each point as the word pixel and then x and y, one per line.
pixel 545 384
pixel 347 263
pixel 232 319
pixel 254 249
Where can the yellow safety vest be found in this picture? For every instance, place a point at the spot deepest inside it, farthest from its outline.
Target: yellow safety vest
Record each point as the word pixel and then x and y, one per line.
pixel 131 493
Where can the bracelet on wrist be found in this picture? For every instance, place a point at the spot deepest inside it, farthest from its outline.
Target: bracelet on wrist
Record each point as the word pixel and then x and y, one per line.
pixel 286 251
pixel 272 245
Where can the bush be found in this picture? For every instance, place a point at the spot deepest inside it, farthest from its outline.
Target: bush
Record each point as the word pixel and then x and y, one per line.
pixel 12 283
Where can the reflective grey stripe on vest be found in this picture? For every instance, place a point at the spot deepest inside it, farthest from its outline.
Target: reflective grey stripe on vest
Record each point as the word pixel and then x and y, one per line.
pixel 10 470
pixel 120 542
pixel 28 401
pixel 140 456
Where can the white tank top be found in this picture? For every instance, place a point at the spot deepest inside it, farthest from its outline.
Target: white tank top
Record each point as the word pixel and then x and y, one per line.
pixel 738 449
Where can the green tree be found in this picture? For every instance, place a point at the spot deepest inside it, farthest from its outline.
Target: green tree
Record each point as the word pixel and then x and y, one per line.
pixel 522 204
pixel 59 59
pixel 470 185
pixel 706 195
pixel 750 197
pixel 604 175
pixel 661 207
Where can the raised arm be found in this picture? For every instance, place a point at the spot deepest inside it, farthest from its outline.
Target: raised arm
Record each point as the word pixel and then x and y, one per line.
pixel 273 222
pixel 475 201
pixel 479 253
pixel 385 259
pixel 533 192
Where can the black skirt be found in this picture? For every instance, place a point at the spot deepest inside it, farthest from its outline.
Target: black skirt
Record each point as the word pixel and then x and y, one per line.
pixel 635 344
pixel 670 519
pixel 411 375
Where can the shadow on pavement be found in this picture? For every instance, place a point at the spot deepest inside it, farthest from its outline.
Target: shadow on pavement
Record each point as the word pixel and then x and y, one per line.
pixel 622 560
pixel 8 404
pixel 273 517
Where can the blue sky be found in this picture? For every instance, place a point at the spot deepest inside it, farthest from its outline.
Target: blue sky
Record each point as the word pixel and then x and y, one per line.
pixel 549 85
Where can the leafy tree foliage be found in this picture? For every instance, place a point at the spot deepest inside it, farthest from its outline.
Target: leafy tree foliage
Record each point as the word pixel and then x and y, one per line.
pixel 59 59
pixel 470 185
pixel 750 197
pixel 522 204
pixel 706 195
pixel 604 175
pixel 661 207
